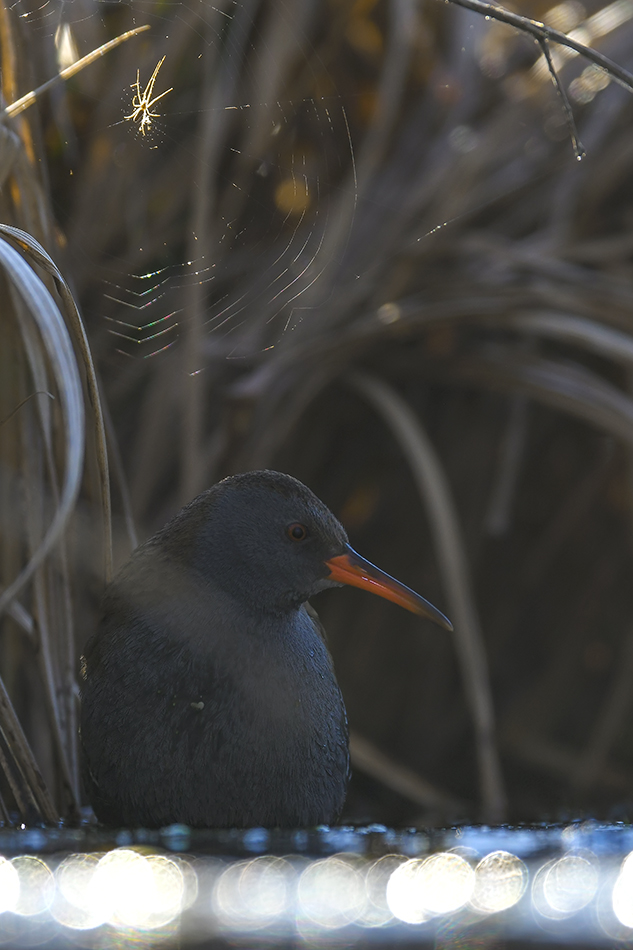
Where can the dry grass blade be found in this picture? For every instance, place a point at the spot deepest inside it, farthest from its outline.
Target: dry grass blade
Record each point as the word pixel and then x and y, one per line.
pixel 614 713
pixel 512 454
pixel 50 323
pixel 23 618
pixel 15 108
pixel 569 328
pixel 435 494
pixel 39 255
pixel 569 388
pixel 34 787
pixel 120 480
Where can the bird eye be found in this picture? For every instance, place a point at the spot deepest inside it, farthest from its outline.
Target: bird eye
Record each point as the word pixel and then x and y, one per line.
pixel 297 532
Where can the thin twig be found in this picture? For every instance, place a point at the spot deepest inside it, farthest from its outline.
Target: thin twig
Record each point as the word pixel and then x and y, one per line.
pixel 579 151
pixel 433 488
pixel 27 100
pixel 39 392
pixel 541 32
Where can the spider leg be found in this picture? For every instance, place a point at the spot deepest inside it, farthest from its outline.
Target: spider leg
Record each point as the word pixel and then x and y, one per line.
pixel 150 86
pixel 150 104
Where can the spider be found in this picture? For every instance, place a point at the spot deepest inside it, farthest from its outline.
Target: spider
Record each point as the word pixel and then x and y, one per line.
pixel 142 102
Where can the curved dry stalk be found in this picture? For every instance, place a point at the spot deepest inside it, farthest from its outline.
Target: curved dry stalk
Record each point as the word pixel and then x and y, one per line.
pixel 50 323
pixel 23 619
pixel 277 415
pixel 572 389
pixel 35 250
pixel 512 453
pixel 367 758
pixel 120 479
pixel 556 759
pixel 538 563
pixel 436 497
pixel 569 328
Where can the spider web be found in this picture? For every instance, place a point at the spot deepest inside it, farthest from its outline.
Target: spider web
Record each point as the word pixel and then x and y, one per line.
pixel 266 256
pixel 226 214
pixel 218 208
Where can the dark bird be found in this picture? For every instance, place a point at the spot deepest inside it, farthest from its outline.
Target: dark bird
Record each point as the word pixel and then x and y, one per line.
pixel 208 694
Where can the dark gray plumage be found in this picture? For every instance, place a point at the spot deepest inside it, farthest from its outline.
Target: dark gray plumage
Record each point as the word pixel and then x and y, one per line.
pixel 209 696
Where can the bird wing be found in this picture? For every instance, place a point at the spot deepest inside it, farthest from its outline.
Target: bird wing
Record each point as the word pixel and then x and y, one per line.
pixel 320 629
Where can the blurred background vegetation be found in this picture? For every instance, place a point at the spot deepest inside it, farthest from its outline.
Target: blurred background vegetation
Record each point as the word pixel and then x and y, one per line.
pixel 352 243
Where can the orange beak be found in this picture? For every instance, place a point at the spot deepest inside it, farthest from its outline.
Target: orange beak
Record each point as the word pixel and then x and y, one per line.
pixel 351 568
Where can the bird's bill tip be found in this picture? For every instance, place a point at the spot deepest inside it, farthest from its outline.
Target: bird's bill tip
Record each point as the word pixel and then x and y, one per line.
pixel 350 568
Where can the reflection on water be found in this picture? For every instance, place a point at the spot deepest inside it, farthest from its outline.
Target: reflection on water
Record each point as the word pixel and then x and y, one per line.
pixel 9 885
pixel 500 882
pixel 249 895
pixel 623 893
pixel 571 884
pixel 563 887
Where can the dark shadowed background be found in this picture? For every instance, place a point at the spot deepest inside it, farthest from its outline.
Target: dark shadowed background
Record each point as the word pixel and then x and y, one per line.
pixel 352 243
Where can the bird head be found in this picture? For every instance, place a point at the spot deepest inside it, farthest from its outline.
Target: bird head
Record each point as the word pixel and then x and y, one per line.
pixel 265 537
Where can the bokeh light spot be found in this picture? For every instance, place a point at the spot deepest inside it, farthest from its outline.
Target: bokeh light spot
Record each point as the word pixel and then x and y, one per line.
pixel 438 884
pixel 253 894
pixel 37 886
pixel 403 893
pixel 564 886
pixel 292 196
pixel 377 912
pixel 136 891
pixel 9 886
pixel 500 882
pixel 446 881
pixel 332 893
pixel 623 893
pixel 76 904
pixel 570 884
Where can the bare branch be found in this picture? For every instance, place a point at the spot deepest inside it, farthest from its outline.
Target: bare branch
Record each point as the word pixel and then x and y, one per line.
pixel 541 33
pixel 579 151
